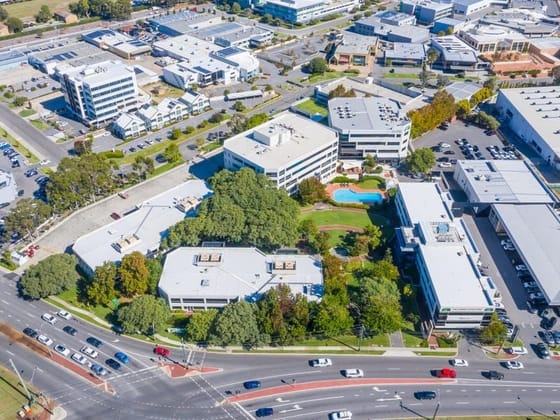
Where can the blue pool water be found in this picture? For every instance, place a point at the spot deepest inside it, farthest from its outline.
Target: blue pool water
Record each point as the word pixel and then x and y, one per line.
pixel 345 195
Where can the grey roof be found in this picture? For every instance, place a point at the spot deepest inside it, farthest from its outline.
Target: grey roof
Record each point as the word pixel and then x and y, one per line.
pixel 462 90
pixel 236 272
pixel 415 33
pixel 8 188
pixel 185 21
pixel 454 50
pixel 423 202
pixel 406 51
pixel 353 43
pixel 366 114
pixel 148 223
pixel 99 73
pixel 449 21
pixel 392 15
pixel 535 232
pixel 73 53
pixel 505 181
pixel 10 55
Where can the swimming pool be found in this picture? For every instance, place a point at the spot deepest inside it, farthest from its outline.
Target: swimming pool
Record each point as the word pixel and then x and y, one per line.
pixel 345 195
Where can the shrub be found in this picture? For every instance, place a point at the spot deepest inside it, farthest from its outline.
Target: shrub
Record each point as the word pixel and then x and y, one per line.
pixel 112 155
pixel 342 179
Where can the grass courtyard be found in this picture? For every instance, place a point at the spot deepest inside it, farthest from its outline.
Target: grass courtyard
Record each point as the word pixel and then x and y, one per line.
pixel 338 217
pixel 30 8
pixel 311 107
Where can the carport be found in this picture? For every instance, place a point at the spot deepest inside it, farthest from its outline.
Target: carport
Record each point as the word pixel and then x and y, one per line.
pixel 534 230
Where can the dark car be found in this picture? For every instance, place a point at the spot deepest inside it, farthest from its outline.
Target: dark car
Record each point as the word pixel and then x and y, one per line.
pixel 449 152
pixel 542 351
pixel 70 330
pixel 112 363
pixel 264 412
pixel 98 369
pixel 30 332
pixel 495 375
pixel 549 323
pixel 547 337
pixel 94 342
pixel 252 384
pixel 425 395
pixel 115 215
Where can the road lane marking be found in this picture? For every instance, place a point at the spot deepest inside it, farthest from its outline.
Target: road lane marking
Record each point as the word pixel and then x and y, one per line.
pixel 9 352
pixel 413 404
pixel 509 402
pixel 394 368
pixel 4 302
pixel 381 406
pixel 462 402
pixel 554 402
pixel 272 377
pixel 336 397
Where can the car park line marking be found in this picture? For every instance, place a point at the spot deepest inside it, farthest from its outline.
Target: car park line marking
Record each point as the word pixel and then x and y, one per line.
pixel 379 390
pixel 308 415
pixel 9 352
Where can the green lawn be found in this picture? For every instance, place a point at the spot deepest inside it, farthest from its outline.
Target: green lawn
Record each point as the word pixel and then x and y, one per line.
pixel 349 340
pixel 211 146
pixel 370 184
pixel 400 75
pixel 336 237
pixel 71 296
pixel 27 113
pixel 30 8
pixel 11 400
pixel 411 340
pixel 338 217
pixel 312 107
pixel 39 124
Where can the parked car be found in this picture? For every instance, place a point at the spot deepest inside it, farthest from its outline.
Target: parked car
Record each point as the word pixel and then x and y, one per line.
pixel 252 384
pixel 161 351
pixel 537 295
pixel 98 369
pixel 516 350
pixel 43 339
pixel 547 337
pixel 542 351
pixel 425 395
pixel 549 323
pixel 122 357
pixel 556 335
pixel 64 315
pixel 446 373
pixel 353 373
pixel 112 363
pixel 531 308
pixel 521 267
pixel 320 362
pixel 445 165
pixel 61 348
pixel 77 357
pixel 115 215
pixel 89 351
pixel 513 364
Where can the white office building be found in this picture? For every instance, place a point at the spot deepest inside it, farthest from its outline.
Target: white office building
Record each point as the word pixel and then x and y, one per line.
pixel 288 149
pixel 534 115
pixel 96 94
pixel 457 295
pixel 206 277
pixel 370 126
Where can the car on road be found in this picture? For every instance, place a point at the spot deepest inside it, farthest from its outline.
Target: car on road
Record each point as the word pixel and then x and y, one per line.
pixel 70 330
pixel 98 369
pixel 77 357
pixel 353 373
pixel 542 351
pixel 161 351
pixel 513 364
pixel 264 412
pixel 459 362
pixel 94 342
pixel 89 351
pixel 425 395
pixel 61 348
pixel 64 315
pixel 112 363
pixel 516 350
pixel 446 373
pixel 341 415
pixel 115 215
pixel 252 384
pixel 49 318
pixel 43 339
pixel 320 362
pixel 30 332
pixel 122 357
pixel 445 165
pixel 494 375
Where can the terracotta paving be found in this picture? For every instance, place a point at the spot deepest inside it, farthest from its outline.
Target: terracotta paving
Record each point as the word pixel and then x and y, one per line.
pixel 174 370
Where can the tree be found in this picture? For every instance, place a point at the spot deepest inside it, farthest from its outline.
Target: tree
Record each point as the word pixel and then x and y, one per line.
pixel 143 165
pixel 172 153
pixel 379 303
pixel 133 274
pixel 494 333
pixel 370 163
pixel 556 75
pixel 51 276
pixel 155 268
pixel 432 56
pixel 235 8
pixel 333 267
pixel 239 107
pixel 331 317
pixel 186 233
pixel 421 160
pixel 463 109
pixel 199 326
pixel 145 314
pixel 307 229
pixel 430 116
pixel 44 14
pixel 374 235
pixel 321 242
pixel 82 147
pixel 14 24
pixel 311 191
pixel 175 134
pixel 490 84
pixel 341 92
pixel 101 290
pixel 235 325
pixel 216 118
pixel 19 100
pixel 3 13
pixel 442 80
pixel 267 19
pixel 424 76
pixel 26 216
pixel 317 65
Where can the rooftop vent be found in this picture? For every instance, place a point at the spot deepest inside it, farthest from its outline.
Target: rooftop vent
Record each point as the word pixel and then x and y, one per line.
pixel 209 259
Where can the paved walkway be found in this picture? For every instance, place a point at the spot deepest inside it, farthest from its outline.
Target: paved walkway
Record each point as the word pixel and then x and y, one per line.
pixel 396 339
pixel 81 311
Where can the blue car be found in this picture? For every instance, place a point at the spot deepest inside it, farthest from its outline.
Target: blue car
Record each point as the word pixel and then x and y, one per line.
pixel 264 412
pixel 121 357
pixel 99 370
pixel 252 384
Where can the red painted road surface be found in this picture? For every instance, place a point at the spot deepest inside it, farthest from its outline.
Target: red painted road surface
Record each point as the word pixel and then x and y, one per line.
pixel 179 371
pixel 335 383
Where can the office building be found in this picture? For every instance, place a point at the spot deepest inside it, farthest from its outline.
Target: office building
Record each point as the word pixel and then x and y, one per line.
pixel 405 54
pixel 534 115
pixel 232 34
pixel 454 54
pixel 373 26
pixel 354 50
pixel 206 277
pixel 98 93
pixel 491 39
pixel 370 126
pixel 303 11
pixel 288 149
pixel 426 11
pixel 447 26
pixel 391 17
pixel 117 43
pixel 456 294
pixel 470 7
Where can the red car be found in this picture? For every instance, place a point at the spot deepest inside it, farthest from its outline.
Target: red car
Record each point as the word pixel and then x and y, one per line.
pixel 162 351
pixel 446 373
pixel 115 215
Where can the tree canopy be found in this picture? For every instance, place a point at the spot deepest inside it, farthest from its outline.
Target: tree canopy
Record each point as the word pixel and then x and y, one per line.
pixel 50 276
pixel 317 65
pixel 146 314
pixel 200 324
pixel 26 216
pixel 101 289
pixel 421 160
pixel 311 191
pixel 133 274
pixel 236 324
pixel 105 9
pixel 494 333
pixel 44 14
pixel 430 116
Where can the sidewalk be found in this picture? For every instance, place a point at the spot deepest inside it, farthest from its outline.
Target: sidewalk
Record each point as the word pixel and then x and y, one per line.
pixel 81 311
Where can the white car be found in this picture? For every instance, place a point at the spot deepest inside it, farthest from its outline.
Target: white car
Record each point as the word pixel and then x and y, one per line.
pixel 459 362
pixel 43 339
pixel 353 373
pixel 49 318
pixel 65 315
pixel 509 247
pixel 61 348
pixel 340 415
pixel 77 357
pixel 516 350
pixel 530 284
pixel 445 165
pixel 521 267
pixel 514 364
pixel 45 162
pixel 89 351
pixel 537 295
pixel 506 242
pixel 321 362
pixel 444 145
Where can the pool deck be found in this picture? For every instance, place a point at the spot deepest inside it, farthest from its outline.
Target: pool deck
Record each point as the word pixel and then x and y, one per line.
pixel 331 188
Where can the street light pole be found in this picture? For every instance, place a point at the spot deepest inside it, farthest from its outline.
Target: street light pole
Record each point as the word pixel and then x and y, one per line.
pixel 21 381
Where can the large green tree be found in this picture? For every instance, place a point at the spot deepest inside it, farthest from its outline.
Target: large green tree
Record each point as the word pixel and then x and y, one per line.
pixel 421 160
pixel 332 318
pixel 312 191
pixel 51 276
pixel 236 325
pixel 101 289
pixel 172 153
pixel 199 325
pixel 317 65
pixel 380 307
pixel 133 274
pixel 3 13
pixel 145 314
pixel 26 216
pixel 442 108
pixel 14 24
pixel 155 269
pixel 44 14
pixel 494 333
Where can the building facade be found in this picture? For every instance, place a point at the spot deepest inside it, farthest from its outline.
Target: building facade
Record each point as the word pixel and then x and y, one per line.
pixel 128 125
pixel 427 11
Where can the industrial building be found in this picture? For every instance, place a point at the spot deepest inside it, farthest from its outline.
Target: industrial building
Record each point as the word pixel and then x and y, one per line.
pixel 232 34
pixel 463 90
pixel 373 26
pixel 354 50
pixel 456 294
pixel 370 126
pixel 10 59
pixel 533 114
pixel 288 149
pixel 117 43
pixel 213 277
pixel 179 23
pixel 142 229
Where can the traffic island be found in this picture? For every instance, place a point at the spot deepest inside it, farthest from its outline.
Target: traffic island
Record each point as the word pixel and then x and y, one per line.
pixel 291 386
pixel 175 370
pixel 81 372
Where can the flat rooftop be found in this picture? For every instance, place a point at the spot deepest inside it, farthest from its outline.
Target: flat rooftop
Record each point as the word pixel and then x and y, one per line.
pixel 75 54
pixel 462 90
pixel 291 136
pixel 354 43
pixel 186 46
pixel 366 114
pixel 535 232
pixel 453 49
pixel 100 72
pixel 405 50
pixel 540 106
pixel 142 229
pixel 185 21
pixel 506 181
pixel 423 201
pixel 237 272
